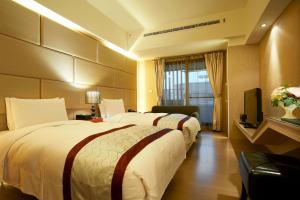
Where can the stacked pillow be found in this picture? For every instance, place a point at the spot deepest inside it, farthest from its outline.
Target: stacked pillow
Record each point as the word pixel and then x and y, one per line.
pixel 27 112
pixel 111 107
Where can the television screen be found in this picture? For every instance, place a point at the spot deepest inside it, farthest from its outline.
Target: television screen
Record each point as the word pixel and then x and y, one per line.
pixel 252 106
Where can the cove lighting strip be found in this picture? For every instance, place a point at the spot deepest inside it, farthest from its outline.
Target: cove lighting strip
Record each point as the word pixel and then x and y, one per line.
pixel 44 11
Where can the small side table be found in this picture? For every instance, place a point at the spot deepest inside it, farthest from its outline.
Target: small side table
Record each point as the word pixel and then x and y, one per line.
pixel 83 117
pixel 89 118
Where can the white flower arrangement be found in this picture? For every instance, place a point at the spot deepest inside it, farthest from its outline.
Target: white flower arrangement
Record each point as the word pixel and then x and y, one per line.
pixel 286 95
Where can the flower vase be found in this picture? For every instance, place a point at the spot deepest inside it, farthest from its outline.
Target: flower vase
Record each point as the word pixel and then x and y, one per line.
pixel 288 111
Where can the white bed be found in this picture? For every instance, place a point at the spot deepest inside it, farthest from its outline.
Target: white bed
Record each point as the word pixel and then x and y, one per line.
pixel 50 157
pixel 32 159
pixel 190 128
pixel 112 110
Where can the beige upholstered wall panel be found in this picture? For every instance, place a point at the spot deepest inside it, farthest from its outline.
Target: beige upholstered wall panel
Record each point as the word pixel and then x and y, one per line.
pixel 280 56
pixel 113 93
pixel 60 38
pixel 45 62
pixel 19 22
pixel 24 59
pixel 110 58
pixel 108 93
pixel 128 96
pixel 125 80
pixel 131 99
pixel 74 95
pixel 131 66
pixel 11 86
pixel 3 122
pixel 95 74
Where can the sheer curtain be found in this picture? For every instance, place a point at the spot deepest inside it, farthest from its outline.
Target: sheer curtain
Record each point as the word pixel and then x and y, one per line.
pixel 160 74
pixel 215 64
pixel 174 91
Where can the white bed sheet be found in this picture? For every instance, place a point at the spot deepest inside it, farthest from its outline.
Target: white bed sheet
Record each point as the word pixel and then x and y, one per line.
pixel 190 127
pixel 32 159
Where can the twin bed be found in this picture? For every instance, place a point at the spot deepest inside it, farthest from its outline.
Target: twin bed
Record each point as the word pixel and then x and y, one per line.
pixel 188 125
pixel 51 157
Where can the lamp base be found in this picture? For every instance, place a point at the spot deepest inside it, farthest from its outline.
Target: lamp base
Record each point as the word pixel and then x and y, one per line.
pixel 93 111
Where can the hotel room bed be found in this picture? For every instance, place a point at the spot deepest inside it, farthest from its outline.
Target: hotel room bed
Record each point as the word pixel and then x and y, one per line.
pixel 189 126
pixel 75 160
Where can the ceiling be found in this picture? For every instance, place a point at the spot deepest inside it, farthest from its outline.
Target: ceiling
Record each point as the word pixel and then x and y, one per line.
pixel 148 14
pixel 124 23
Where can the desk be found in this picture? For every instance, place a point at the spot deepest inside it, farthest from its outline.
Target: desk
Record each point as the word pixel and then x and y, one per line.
pixel 265 133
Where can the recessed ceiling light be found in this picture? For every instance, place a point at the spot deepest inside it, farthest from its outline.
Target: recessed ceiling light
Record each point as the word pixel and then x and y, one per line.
pixel 263 25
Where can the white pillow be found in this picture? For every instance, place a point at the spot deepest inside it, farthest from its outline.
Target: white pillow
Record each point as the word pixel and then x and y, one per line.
pixel 27 112
pixel 113 107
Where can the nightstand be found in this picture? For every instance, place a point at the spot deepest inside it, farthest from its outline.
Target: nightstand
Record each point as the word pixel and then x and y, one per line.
pixel 89 118
pixel 83 117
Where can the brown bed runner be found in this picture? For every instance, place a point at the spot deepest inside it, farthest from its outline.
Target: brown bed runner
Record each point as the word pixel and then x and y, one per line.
pixel 155 122
pixel 116 187
pixel 174 121
pixel 124 143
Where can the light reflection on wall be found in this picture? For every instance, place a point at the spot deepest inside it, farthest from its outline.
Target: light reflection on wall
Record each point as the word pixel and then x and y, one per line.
pixel 141 75
pixel 42 10
pixel 274 73
pixel 79 86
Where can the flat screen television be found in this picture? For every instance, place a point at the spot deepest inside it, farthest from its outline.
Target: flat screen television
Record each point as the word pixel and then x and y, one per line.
pixel 253 107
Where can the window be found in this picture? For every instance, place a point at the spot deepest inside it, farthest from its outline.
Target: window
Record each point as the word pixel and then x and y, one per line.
pixel 191 76
pixel 174 84
pixel 200 92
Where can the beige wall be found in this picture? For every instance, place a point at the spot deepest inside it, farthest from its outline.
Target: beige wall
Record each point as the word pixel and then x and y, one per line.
pixel 147 96
pixel 242 74
pixel 89 18
pixel 272 63
pixel 280 56
pixel 41 59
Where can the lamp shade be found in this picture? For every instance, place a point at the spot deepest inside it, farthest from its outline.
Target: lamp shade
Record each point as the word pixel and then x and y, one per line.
pixel 92 97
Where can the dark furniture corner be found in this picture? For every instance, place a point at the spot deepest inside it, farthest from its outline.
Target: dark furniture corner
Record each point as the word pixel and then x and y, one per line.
pixel 269 176
pixel 84 117
pixel 193 111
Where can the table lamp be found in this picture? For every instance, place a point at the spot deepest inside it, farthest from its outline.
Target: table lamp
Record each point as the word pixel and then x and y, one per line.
pixel 93 98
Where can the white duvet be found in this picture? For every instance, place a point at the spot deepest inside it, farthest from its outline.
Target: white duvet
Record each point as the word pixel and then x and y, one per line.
pixel 32 159
pixel 190 128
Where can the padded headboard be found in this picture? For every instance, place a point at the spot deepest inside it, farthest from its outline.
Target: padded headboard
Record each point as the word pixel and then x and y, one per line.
pixel 42 59
pixel 11 86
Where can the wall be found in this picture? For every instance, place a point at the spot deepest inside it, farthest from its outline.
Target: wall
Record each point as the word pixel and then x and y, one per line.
pixel 280 56
pixel 147 96
pixel 272 63
pixel 225 98
pixel 242 74
pixel 41 59
pixel 88 17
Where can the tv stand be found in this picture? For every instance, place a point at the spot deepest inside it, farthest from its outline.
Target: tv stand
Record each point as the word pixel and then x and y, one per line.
pixel 270 131
pixel 248 125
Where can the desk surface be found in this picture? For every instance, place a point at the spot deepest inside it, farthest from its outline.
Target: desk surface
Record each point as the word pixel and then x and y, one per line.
pixel 261 135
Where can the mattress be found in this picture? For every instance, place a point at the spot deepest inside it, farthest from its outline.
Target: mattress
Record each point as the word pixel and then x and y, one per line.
pixel 33 160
